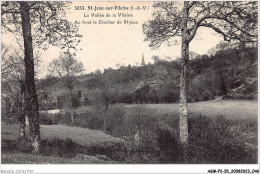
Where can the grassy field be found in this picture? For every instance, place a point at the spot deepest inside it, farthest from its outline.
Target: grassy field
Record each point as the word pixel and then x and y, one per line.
pixel 24 158
pixel 231 109
pixel 243 130
pixel 81 136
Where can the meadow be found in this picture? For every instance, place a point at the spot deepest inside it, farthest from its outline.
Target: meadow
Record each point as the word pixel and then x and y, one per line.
pixel 82 137
pixel 231 109
pixel 220 132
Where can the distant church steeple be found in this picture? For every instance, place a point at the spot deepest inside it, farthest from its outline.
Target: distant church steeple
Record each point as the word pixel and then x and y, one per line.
pixel 142 64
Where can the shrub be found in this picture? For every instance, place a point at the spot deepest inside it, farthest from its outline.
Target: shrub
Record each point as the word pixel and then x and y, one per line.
pixel 115 120
pixel 153 96
pixel 168 145
pixel 58 147
pixel 8 120
pixel 90 119
pixel 126 98
pixel 113 150
pixel 75 102
pixel 20 145
pixel 141 95
pixel 139 118
pixel 47 106
pixel 64 118
pixel 213 140
pixel 87 101
pixel 52 119
pixel 95 119
pixel 145 121
pixel 47 119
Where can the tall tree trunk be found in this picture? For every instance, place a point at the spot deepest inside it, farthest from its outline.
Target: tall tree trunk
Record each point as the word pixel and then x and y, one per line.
pixel 22 126
pixel 32 107
pixel 183 110
pixel 22 111
pixel 70 105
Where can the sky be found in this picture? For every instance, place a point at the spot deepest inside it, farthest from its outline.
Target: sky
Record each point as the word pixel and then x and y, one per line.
pixel 105 45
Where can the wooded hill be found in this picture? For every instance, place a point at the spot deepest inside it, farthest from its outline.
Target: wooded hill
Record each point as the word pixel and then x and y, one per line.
pixel 228 73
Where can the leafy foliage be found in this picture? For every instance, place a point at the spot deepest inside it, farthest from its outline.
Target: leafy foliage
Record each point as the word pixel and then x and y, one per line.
pixel 210 77
pixel 232 20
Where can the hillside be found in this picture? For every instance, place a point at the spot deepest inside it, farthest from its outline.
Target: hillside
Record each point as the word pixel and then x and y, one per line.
pixel 229 73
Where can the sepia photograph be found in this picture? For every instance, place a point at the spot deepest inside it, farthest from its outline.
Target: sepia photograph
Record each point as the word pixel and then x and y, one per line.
pixel 129 82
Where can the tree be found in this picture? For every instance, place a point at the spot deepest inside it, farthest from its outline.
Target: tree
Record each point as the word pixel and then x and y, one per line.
pixel 67 67
pixel 98 72
pixel 50 27
pixel 103 97
pixel 32 107
pixel 45 87
pixel 108 95
pixel 13 84
pixel 174 21
pixel 155 59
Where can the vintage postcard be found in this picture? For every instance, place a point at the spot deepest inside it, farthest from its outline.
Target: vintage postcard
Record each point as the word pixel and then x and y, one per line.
pixel 155 85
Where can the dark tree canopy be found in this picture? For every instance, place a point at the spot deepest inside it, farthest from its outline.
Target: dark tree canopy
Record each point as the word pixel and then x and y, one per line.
pixel 66 65
pixel 48 20
pixel 233 20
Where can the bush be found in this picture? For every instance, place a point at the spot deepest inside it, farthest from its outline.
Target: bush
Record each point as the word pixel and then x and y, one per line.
pixel 64 118
pixel 141 95
pixel 153 96
pixel 75 102
pixel 8 120
pixel 168 145
pixel 113 150
pixel 58 147
pixel 126 98
pixel 115 120
pixel 95 119
pixel 53 119
pixel 86 101
pixel 139 118
pixel 47 106
pixel 213 140
pixel 145 121
pixel 49 119
pixel 15 146
pixel 89 119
